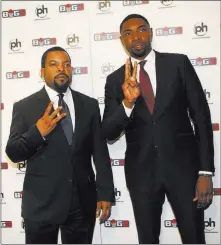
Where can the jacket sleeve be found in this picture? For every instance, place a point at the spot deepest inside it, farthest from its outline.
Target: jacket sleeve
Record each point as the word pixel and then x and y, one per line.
pixel 22 143
pixel 104 175
pixel 200 114
pixel 115 119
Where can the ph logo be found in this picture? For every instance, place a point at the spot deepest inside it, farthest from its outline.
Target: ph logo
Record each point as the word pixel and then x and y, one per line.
pixel 41 11
pixel 15 45
pixel 104 6
pixel 209 225
pixel 117 194
pixel 107 68
pixel 73 40
pixel 22 167
pixel 167 2
pixel 208 96
pixel 200 29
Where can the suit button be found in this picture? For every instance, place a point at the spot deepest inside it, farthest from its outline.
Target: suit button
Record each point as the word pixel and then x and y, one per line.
pixel 154 123
pixel 156 149
pixel 70 180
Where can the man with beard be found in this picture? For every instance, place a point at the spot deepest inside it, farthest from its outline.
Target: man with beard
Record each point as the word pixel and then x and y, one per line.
pixel 152 98
pixel 57 130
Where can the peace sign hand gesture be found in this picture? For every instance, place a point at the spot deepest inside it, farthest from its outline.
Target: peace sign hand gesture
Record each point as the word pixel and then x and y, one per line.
pixel 131 88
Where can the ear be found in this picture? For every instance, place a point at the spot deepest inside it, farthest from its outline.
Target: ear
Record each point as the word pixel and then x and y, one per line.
pixel 42 73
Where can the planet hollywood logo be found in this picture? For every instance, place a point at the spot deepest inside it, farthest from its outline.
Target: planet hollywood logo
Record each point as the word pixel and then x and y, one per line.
pixel 208 96
pixel 117 195
pixel 2 198
pixel 2 106
pixel 6 224
pixel 67 8
pixel 21 167
pixel 117 223
pixel 80 70
pixel 41 12
pixel 210 226
pixel 203 61
pixel 133 3
pixel 4 165
pixel 40 42
pixel 13 13
pixel 73 41
pixel 215 126
pixel 166 4
pixel 168 31
pixel 107 68
pixel 22 226
pixel 117 162
pixel 106 36
pixel 17 74
pixel 200 30
pixel 15 46
pixel 104 7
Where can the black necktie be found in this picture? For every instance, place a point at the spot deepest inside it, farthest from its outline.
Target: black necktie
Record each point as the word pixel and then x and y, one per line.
pixel 66 122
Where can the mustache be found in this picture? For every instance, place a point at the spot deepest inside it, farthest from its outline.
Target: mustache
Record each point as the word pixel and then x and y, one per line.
pixel 62 74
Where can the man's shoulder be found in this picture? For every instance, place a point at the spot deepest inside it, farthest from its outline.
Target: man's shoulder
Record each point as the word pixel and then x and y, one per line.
pixel 29 99
pixel 171 56
pixel 117 73
pixel 85 98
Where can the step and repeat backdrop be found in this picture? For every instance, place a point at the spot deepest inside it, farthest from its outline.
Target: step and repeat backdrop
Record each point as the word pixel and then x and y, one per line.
pixel 89 31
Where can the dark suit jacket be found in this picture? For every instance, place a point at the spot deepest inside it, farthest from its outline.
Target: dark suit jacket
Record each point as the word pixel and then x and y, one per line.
pixel 51 164
pixel 167 135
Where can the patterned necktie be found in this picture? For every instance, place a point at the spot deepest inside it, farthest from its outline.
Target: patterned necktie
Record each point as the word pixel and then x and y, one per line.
pixel 66 122
pixel 146 87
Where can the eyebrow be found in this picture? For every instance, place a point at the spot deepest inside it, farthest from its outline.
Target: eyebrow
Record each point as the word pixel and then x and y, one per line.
pixel 137 28
pixel 56 61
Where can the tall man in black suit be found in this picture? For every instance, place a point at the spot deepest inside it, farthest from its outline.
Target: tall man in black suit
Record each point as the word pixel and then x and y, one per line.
pixel 57 131
pixel 153 98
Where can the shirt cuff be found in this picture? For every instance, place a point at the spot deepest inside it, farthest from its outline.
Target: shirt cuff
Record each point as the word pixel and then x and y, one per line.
pixel 128 111
pixel 205 172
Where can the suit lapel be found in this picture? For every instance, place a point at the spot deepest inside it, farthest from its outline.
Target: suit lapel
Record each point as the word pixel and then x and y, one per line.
pixel 79 109
pixel 57 134
pixel 163 85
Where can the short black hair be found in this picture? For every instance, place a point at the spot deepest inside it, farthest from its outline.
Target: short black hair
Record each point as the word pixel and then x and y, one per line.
pixel 133 16
pixel 44 56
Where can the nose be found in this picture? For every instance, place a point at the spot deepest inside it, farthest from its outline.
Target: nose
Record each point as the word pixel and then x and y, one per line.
pixel 135 36
pixel 60 68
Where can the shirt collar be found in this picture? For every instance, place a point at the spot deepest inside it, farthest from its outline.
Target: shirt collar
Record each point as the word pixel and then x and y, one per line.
pixel 52 93
pixel 150 57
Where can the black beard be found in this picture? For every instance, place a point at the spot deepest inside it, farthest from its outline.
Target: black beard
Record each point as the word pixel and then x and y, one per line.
pixel 139 53
pixel 61 88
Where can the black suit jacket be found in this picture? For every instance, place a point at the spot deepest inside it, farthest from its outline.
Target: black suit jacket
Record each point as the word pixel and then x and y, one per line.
pixel 51 164
pixel 167 135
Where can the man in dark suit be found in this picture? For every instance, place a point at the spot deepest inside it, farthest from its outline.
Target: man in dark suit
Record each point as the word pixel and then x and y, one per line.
pixel 60 190
pixel 153 99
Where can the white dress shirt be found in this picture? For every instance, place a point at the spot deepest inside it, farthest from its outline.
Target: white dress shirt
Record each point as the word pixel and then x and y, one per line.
pixel 68 98
pixel 150 68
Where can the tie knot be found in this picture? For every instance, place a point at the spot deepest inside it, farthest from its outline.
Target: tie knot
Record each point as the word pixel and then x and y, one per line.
pixel 142 63
pixel 61 96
